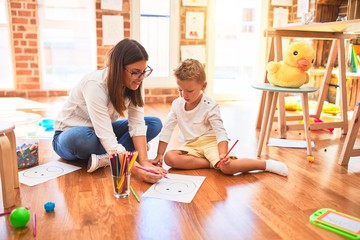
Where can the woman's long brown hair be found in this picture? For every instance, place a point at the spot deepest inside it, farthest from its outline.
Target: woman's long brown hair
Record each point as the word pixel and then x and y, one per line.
pixel 127 51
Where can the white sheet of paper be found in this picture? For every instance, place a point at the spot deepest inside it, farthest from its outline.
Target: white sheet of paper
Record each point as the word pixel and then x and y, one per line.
pixel 288 3
pixel 194 28
pixel 193 51
pixel 177 187
pixel 281 16
pixel 42 173
pixel 277 142
pixel 111 4
pixel 302 7
pixel 197 3
pixel 113 29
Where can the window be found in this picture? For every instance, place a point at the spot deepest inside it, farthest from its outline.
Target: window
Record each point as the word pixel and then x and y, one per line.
pixel 151 21
pixel 67 41
pixel 234 48
pixel 6 63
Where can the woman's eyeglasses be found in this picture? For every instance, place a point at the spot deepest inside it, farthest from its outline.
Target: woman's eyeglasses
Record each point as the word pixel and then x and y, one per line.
pixel 135 75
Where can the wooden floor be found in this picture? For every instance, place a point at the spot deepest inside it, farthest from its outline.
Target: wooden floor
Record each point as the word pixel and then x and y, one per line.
pixel 247 206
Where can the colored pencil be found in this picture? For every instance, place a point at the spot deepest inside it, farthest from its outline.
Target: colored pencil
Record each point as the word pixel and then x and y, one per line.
pixel 5 213
pixel 133 160
pixel 229 151
pixel 231 148
pixel 34 224
pixel 134 193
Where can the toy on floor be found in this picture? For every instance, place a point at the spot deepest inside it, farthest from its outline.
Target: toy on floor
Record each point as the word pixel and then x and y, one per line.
pixel 337 222
pixel 49 207
pixel 291 72
pixel 294 104
pixel 330 108
pixel 19 217
pixel 316 120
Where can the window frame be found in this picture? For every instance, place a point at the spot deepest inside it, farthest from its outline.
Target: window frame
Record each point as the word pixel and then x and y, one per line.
pixel 211 45
pixel 65 25
pixel 160 82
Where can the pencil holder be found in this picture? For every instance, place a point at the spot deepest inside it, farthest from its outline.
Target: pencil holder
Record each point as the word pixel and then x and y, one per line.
pixel 121 185
pixel 121 164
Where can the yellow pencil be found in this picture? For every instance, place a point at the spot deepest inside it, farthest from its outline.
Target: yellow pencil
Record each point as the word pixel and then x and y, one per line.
pixel 133 160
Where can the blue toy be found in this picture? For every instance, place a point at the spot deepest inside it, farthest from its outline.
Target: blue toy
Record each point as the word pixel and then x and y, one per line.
pixel 48 124
pixel 49 206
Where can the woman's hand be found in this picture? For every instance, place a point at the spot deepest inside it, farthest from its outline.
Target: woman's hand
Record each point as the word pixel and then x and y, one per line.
pixel 149 173
pixel 150 177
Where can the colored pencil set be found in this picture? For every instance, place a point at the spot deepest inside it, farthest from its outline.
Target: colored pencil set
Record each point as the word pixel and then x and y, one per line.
pixel 121 164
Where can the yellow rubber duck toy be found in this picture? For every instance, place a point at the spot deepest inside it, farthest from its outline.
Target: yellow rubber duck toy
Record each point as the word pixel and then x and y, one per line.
pixel 291 72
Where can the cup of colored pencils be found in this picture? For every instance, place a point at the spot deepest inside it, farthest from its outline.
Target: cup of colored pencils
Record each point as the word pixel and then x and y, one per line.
pixel 121 164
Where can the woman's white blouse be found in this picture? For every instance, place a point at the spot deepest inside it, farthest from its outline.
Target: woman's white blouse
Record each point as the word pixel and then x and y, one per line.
pixel 89 105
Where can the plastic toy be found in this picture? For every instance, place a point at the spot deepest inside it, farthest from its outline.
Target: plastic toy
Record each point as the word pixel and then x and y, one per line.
pixel 48 124
pixel 293 103
pixel 19 217
pixel 337 222
pixel 316 120
pixel 330 108
pixel 291 72
pixel 27 154
pixel 49 206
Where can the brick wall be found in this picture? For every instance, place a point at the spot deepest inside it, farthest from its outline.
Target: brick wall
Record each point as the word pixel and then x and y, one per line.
pixel 23 19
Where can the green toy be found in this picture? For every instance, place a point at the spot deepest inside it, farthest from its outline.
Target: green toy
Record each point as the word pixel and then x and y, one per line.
pixel 337 222
pixel 19 217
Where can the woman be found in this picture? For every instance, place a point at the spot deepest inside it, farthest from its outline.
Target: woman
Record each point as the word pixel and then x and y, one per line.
pixel 88 126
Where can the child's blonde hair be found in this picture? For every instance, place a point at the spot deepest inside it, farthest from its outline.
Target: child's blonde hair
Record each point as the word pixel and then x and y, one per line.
pixel 191 69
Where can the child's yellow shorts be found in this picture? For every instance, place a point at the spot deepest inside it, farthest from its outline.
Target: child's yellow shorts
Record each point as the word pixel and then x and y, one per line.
pixel 204 147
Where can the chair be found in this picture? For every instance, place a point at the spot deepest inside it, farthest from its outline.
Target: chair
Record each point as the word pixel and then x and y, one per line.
pixel 272 93
pixel 348 149
pixel 8 163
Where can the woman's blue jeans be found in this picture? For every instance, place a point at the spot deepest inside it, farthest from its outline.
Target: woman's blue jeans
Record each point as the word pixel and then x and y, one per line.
pixel 80 142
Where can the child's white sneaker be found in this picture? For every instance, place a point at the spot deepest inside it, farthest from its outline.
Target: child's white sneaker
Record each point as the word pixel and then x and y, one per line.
pixel 97 161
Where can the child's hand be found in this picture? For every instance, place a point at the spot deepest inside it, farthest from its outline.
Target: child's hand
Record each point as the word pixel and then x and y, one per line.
pixel 224 160
pixel 158 160
pixel 155 168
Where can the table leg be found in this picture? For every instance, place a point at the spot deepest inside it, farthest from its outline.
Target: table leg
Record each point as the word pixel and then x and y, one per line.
pixel 282 115
pixel 271 116
pixel 348 146
pixel 305 107
pixel 261 110
pixel 12 140
pixel 7 178
pixel 342 84
pixel 264 124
